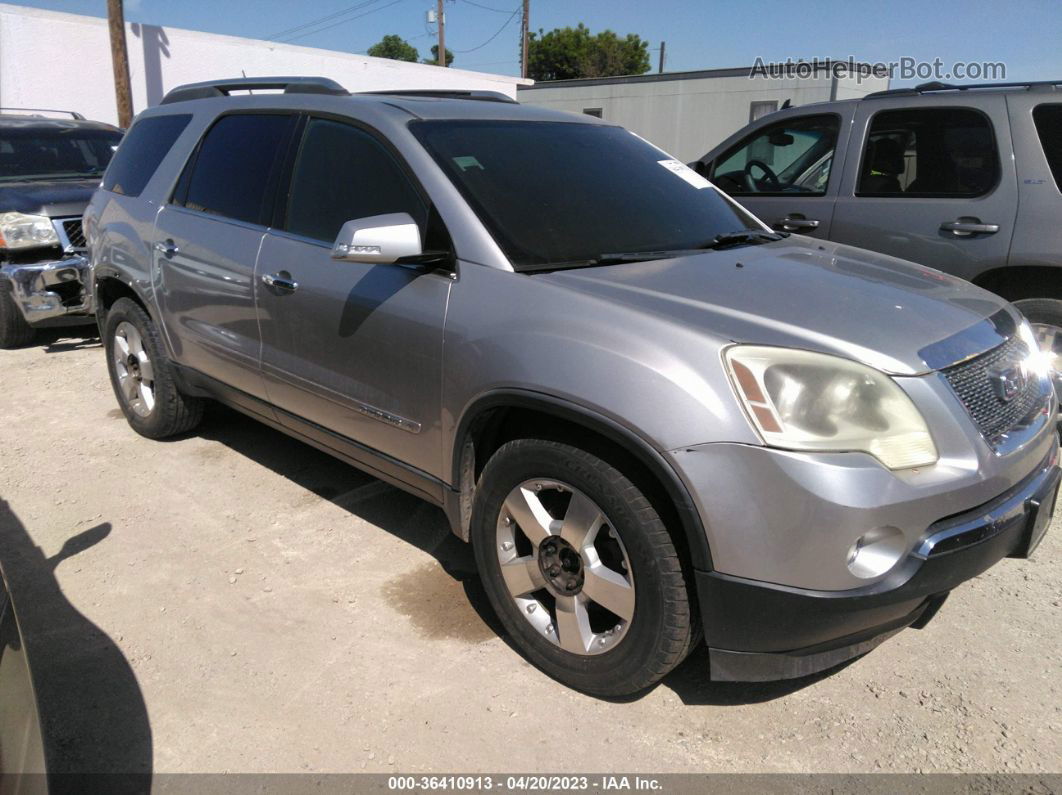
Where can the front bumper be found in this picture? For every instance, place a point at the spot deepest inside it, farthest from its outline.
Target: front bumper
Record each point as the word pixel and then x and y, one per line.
pixel 758 631
pixel 50 292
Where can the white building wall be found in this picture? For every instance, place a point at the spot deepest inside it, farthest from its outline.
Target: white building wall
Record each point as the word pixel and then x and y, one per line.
pixel 50 59
pixel 687 115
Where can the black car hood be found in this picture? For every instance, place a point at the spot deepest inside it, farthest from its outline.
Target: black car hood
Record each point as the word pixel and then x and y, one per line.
pixel 54 198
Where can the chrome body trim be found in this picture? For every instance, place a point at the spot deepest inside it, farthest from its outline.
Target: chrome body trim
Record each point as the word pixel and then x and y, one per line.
pixel 33 287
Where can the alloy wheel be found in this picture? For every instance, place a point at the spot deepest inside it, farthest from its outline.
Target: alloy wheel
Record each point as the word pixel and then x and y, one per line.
pixel 136 376
pixel 565 566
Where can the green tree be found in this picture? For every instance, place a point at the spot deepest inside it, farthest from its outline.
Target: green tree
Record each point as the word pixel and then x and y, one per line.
pixel 435 56
pixel 566 53
pixel 394 47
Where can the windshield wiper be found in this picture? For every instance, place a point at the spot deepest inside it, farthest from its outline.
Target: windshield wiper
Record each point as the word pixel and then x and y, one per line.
pixel 744 237
pixel 608 259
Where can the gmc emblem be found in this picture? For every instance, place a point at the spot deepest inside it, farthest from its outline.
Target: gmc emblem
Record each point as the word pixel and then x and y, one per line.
pixel 1008 383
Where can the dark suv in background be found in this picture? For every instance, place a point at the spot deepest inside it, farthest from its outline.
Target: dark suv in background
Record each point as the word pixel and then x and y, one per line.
pixel 48 170
pixel 963 178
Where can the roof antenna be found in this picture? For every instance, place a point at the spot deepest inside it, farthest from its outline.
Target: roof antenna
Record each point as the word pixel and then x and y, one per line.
pixel 784 105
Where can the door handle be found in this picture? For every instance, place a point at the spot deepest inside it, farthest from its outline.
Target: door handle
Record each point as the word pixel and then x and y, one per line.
pixel 166 248
pixel 280 281
pixel 969 226
pixel 794 223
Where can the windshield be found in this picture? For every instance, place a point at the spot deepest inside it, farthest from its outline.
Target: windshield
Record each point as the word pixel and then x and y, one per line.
pixel 50 153
pixel 557 193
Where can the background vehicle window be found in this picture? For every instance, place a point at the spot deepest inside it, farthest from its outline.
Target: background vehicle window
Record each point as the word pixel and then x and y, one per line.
pixel 141 151
pixel 59 152
pixel 945 152
pixel 793 156
pixel 235 171
pixel 343 173
pixel 1048 119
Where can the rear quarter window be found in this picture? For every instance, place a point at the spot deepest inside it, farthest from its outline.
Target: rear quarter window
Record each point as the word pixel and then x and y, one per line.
pixel 141 151
pixel 1048 119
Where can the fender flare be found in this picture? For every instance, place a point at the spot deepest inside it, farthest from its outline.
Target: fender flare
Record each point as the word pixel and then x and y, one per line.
pixel 631 441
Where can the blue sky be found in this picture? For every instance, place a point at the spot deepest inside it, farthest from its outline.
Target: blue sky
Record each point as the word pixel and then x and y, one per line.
pixel 1024 34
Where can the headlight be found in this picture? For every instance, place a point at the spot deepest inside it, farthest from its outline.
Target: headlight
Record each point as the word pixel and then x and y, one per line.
pixel 801 400
pixel 26 231
pixel 1041 362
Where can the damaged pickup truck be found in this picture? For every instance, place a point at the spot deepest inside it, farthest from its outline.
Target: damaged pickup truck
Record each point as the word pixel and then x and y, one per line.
pixel 48 171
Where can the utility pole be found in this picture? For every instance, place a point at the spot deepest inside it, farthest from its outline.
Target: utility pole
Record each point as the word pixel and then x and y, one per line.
pixel 120 61
pixel 523 37
pixel 442 34
pixel 662 45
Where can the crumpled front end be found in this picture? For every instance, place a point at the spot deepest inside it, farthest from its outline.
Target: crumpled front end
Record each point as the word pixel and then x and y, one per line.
pixel 50 292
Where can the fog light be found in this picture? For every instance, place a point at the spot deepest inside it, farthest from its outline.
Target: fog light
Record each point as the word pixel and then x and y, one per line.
pixel 876 552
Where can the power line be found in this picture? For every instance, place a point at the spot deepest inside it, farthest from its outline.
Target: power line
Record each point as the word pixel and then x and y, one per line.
pixel 497 33
pixel 312 22
pixel 485 8
pixel 341 22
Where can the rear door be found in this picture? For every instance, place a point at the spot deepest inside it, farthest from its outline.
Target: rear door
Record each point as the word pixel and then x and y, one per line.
pixel 206 242
pixel 933 183
pixel 786 172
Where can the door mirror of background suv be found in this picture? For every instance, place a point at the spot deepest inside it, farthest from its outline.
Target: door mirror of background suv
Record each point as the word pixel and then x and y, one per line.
pixel 378 238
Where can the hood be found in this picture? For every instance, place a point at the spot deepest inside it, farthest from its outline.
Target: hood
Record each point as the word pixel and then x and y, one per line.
pixel 882 311
pixel 54 198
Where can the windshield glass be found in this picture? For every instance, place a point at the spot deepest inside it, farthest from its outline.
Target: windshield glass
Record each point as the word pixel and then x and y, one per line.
pixel 49 153
pixel 554 193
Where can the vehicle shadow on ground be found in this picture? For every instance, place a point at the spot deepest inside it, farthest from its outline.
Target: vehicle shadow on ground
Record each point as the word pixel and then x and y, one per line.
pixel 403 515
pixel 61 340
pixel 425 527
pixel 93 715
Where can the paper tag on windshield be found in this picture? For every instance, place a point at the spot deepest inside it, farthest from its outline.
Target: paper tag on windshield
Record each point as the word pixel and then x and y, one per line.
pixel 683 171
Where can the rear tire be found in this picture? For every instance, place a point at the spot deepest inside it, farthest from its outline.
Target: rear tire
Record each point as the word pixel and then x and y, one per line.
pixel 143 378
pixel 14 330
pixel 604 609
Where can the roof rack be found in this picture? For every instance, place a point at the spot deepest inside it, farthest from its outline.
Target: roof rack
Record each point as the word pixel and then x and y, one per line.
pixel 222 88
pixel 936 85
pixel 447 93
pixel 73 113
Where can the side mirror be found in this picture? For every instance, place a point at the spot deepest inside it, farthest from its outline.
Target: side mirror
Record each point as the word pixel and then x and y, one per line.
pixel 380 238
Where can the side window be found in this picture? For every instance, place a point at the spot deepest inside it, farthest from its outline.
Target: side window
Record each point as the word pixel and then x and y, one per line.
pixel 234 172
pixel 343 173
pixel 930 152
pixel 793 156
pixel 141 151
pixel 1048 119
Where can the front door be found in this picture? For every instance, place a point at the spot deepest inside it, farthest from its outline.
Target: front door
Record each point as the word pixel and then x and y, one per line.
pixel 782 172
pixel 934 184
pixel 351 347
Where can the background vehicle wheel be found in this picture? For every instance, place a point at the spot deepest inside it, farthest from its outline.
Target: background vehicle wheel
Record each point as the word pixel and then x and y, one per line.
pixel 14 330
pixel 1045 315
pixel 579 568
pixel 142 375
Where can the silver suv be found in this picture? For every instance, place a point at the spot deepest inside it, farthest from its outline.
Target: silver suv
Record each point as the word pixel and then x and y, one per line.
pixel 963 178
pixel 656 420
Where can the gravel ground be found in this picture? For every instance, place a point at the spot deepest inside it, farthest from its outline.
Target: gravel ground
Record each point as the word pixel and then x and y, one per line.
pixel 237 601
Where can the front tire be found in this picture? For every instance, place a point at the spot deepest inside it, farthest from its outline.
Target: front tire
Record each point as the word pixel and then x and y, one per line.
pixel 143 377
pixel 580 569
pixel 14 330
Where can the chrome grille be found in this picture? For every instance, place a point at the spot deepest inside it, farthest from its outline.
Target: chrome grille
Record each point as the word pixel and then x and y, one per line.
pixel 74 233
pixel 976 382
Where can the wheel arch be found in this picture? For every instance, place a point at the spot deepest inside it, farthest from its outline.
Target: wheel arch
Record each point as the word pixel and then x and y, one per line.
pixel 503 415
pixel 1015 282
pixel 108 287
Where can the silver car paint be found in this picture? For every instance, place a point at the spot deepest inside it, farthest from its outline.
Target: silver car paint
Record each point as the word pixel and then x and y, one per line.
pixel 639 343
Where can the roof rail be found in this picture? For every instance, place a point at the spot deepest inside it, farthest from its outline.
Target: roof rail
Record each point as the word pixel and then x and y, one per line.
pixel 936 85
pixel 447 93
pixel 73 113
pixel 222 88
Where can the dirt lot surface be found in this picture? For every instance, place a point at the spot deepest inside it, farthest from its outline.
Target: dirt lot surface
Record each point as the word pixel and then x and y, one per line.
pixel 237 601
